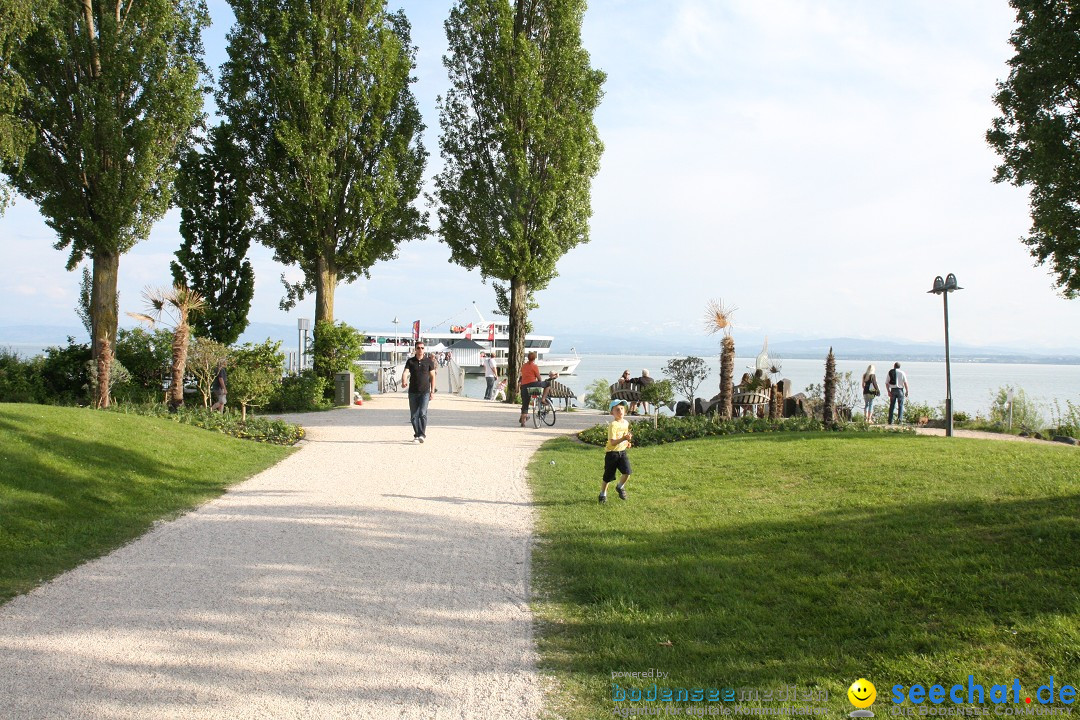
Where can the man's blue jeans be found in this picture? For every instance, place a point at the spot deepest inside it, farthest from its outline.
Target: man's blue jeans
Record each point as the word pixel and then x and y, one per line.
pixel 896 401
pixel 490 386
pixel 418 404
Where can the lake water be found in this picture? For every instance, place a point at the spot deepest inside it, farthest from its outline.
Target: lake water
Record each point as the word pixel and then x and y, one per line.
pixel 973 384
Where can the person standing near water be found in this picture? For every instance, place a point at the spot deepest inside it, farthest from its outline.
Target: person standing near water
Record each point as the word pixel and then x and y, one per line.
pixel 421 371
pixel 870 391
pixel 897 386
pixel 490 373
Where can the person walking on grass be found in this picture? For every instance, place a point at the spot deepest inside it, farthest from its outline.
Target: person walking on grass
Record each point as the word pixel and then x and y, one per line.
pixel 421 371
pixel 897 387
pixel 615 458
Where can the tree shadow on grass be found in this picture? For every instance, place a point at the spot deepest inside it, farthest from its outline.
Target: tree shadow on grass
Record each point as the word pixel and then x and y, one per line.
pixel 905 592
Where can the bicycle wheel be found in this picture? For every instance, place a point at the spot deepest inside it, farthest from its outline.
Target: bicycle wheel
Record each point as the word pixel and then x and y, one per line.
pixel 547 412
pixel 536 411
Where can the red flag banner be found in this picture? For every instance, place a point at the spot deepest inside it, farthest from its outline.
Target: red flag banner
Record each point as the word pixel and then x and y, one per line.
pixel 491 333
pixel 468 332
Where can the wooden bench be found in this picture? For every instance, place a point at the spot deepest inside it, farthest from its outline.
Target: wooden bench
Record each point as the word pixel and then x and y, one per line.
pixel 631 393
pixel 742 402
pixel 749 401
pixel 558 391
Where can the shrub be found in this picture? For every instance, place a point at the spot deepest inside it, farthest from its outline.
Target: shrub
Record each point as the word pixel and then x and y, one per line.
pixel 256 371
pixel 337 348
pixel 1025 411
pixel 119 379
pixel 598 394
pixel 300 393
pixel 20 380
pixel 147 355
pixel 1066 422
pixel 915 410
pixel 64 373
pixel 686 375
pixel 275 432
pixel 203 359
pixel 673 429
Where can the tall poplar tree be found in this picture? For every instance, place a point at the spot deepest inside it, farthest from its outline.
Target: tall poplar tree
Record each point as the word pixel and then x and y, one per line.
pixel 16 20
pixel 217 222
pixel 518 143
pixel 1038 132
pixel 112 90
pixel 319 94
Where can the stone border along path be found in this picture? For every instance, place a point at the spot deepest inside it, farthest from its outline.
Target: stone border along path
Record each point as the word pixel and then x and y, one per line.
pixel 362 577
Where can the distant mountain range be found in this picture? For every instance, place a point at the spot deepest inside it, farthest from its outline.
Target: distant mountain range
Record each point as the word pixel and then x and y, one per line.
pixel 35 337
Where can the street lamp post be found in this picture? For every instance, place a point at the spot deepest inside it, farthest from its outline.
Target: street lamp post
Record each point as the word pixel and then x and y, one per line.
pixel 302 327
pixel 943 288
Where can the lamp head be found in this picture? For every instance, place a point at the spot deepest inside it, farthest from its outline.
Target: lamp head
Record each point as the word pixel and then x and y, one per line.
pixel 939 286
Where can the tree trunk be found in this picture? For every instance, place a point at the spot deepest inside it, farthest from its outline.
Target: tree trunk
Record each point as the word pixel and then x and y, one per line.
pixel 518 316
pixel 179 360
pixel 325 284
pixel 104 367
pixel 727 369
pixel 103 310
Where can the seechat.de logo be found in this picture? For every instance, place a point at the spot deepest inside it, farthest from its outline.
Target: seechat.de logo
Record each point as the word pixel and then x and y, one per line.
pixel 862 695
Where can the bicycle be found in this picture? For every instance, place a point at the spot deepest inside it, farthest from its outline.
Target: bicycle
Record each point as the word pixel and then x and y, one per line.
pixel 542 409
pixel 390 383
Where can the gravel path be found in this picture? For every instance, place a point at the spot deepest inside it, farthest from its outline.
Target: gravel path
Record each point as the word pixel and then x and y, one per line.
pixel 982 435
pixel 363 577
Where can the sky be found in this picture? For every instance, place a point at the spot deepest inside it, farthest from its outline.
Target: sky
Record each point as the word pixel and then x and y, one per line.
pixel 814 163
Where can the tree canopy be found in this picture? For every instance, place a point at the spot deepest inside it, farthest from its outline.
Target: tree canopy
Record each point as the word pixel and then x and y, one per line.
pixel 217 222
pixel 112 89
pixel 1038 132
pixel 319 97
pixel 518 143
pixel 16 20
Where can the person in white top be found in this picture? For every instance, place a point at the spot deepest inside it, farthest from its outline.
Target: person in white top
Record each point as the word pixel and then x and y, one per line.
pixel 897 387
pixel 490 373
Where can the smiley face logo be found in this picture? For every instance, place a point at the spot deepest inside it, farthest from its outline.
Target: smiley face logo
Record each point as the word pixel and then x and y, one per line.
pixel 862 693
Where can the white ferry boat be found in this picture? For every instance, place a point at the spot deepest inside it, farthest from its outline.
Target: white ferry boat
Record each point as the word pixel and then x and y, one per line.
pixel 464 343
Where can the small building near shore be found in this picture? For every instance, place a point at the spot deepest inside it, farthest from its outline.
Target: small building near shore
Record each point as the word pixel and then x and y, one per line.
pixel 466 353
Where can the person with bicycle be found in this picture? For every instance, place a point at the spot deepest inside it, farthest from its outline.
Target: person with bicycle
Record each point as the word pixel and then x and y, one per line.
pixel 530 378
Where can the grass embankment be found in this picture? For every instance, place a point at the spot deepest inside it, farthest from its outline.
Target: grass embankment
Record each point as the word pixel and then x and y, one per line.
pixel 76 483
pixel 809 560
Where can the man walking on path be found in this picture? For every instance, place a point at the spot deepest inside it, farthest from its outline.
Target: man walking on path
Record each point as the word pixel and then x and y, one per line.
pixel 421 371
pixel 897 387
pixel 490 373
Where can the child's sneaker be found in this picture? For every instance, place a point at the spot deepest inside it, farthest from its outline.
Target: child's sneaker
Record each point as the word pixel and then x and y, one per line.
pixel 622 491
pixel 603 498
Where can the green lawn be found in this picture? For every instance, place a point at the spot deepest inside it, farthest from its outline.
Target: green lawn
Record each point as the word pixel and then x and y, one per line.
pixel 76 483
pixel 809 560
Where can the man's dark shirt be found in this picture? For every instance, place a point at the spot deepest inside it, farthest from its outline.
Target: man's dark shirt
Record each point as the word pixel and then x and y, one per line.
pixel 419 377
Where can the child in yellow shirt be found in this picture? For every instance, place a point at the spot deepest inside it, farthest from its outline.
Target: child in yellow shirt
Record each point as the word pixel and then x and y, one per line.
pixel 618 442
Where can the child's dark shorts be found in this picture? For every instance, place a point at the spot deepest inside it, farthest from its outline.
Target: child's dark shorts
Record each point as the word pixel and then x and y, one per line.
pixel 615 460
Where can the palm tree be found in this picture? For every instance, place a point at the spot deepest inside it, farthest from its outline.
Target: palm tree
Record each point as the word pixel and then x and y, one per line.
pixel 719 318
pixel 175 304
pixel 828 413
